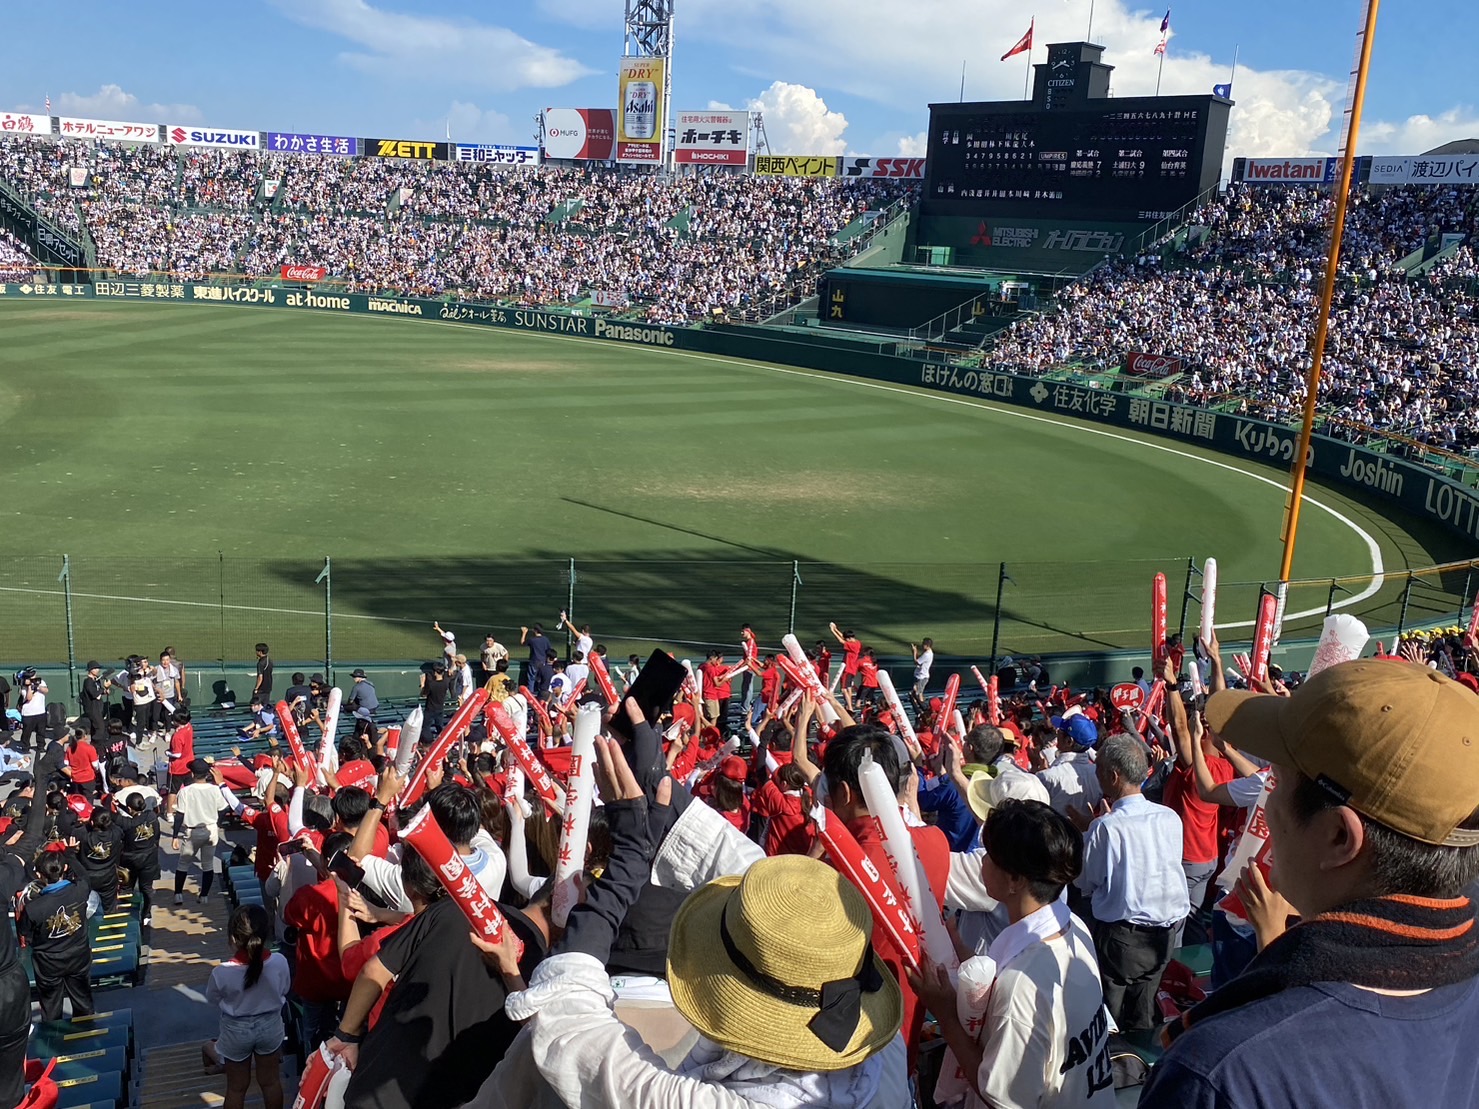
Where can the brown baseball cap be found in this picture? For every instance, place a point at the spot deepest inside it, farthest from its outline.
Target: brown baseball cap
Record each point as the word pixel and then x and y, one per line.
pixel 1399 741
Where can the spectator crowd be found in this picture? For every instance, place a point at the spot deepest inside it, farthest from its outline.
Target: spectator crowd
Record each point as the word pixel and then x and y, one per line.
pixel 1237 301
pixel 720 924
pixel 676 247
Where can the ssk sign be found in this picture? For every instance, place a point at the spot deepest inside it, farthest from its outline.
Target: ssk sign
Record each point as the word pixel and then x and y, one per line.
pixel 303 273
pixel 1139 364
pixel 205 136
pixel 908 169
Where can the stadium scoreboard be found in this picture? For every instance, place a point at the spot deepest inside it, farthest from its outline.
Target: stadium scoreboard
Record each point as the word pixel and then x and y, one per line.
pixel 1072 151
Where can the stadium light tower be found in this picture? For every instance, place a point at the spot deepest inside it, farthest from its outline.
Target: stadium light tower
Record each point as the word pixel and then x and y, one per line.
pixel 649 34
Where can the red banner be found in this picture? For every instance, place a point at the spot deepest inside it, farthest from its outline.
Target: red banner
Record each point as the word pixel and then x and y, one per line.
pixel 1140 364
pixel 304 273
pixel 290 730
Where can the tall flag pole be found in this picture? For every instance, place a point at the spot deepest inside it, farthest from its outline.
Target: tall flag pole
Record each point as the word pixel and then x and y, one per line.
pixel 1089 34
pixel 1327 297
pixel 1024 46
pixel 1027 78
pixel 1160 48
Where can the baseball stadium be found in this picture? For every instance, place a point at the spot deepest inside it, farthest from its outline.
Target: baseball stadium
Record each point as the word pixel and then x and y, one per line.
pixel 1018 421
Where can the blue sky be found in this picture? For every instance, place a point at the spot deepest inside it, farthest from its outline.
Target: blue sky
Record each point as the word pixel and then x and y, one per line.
pixel 830 76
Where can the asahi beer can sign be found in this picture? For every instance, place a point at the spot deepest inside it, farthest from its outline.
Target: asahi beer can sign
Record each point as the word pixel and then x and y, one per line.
pixel 639 118
pixel 640 122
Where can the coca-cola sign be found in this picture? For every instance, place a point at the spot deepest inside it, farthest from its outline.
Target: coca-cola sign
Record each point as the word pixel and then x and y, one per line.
pixel 1139 364
pixel 303 273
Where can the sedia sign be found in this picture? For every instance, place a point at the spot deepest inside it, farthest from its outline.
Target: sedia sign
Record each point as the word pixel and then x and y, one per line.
pixel 416 149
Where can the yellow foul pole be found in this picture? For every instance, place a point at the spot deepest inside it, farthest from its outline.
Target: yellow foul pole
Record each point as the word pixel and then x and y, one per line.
pixel 1327 297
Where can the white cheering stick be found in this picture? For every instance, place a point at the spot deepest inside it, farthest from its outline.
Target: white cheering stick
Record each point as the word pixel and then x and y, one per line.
pixel 896 707
pixel 809 676
pixel 1209 598
pixel 410 736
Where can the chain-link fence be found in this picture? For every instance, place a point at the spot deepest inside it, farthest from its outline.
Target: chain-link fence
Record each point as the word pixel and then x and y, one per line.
pixel 56 610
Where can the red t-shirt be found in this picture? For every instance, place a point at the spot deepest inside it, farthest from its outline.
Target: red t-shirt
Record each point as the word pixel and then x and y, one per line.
pixel 182 749
pixel 934 852
pixel 851 648
pixel 314 912
pixel 1198 817
pixel 824 666
pixel 353 960
pixel 714 688
pixel 770 684
pixel 869 670
pixel 787 833
pixel 80 757
pixel 271 825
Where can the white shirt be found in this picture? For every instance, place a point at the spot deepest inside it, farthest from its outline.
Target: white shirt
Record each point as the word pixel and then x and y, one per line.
pixel 492 654
pixel 1132 865
pixel 1245 791
pixel 922 665
pixel 201 804
pixel 583 644
pixel 35 704
pixel 1045 1038
pixel 449 643
pixel 577 672
pixel 486 862
pixel 1071 782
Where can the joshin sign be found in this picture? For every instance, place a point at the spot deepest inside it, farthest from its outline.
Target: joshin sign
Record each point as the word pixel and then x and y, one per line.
pixel 639 120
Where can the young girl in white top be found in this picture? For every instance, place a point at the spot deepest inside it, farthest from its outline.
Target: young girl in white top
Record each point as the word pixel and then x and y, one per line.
pixel 1044 1037
pixel 250 991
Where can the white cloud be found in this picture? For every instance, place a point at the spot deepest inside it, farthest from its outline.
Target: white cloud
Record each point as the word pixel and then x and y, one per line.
pixel 896 55
pixel 112 102
pixel 470 123
pixel 914 146
pixel 1420 133
pixel 719 106
pixel 422 46
pixel 798 121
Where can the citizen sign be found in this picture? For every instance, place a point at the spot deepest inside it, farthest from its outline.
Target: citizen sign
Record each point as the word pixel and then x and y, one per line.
pixel 303 273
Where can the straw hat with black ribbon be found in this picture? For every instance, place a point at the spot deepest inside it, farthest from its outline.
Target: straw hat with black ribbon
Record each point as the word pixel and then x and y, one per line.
pixel 778 965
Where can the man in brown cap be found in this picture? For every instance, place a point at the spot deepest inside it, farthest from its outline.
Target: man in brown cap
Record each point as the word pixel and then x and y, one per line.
pixel 1372 998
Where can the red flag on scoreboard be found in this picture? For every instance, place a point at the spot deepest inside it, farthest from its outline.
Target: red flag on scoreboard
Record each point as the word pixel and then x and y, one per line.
pixel 1024 43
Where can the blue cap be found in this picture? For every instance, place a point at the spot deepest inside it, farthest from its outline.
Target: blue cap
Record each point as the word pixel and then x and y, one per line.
pixel 1080 729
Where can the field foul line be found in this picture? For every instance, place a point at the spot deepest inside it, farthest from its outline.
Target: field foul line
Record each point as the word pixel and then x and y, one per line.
pixel 208 604
pixel 1378 567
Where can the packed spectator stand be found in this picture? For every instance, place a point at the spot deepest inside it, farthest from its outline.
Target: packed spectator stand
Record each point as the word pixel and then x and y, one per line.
pixel 677 247
pixel 1235 296
pixel 1067 838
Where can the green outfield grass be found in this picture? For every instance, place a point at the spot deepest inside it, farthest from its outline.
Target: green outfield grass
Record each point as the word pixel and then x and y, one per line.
pixel 198 462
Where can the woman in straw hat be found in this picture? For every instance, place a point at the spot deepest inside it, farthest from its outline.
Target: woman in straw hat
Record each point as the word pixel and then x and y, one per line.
pixel 775 970
pixel 1044 1038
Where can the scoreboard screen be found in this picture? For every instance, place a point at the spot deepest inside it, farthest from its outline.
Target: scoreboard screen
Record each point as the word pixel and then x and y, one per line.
pixel 1121 160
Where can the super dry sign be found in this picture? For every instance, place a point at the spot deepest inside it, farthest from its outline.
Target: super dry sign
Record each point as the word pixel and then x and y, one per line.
pixel 415 149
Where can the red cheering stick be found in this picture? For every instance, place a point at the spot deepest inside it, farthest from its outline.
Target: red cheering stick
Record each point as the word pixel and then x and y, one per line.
pixel 456 728
pixel 603 679
pixel 993 701
pixel 896 710
pixel 574 694
pixel 392 741
pixel 803 673
pixel 1474 622
pixel 1263 638
pixel 1152 707
pixel 890 914
pixel 976 671
pixel 945 718
pixel 429 841
pixel 545 728
pixel 290 729
pixel 318 1075
pixel 539 777
pixel 734 671
pixel 1158 622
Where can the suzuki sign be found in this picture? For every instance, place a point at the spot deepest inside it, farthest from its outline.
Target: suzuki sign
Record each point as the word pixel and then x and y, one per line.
pixel 179 135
